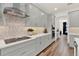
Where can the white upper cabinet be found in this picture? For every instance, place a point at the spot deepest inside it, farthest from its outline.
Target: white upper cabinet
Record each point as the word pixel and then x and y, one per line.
pixel 16 5
pixel 1 21
pixel 74 19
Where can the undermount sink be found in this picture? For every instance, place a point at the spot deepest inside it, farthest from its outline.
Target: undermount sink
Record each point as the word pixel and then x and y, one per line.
pixel 7 41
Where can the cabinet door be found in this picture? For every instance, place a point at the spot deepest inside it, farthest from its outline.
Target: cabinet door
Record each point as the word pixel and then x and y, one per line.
pixel 43 42
pixel 46 40
pixel 32 50
pixel 50 40
pixel 21 49
pixel 38 45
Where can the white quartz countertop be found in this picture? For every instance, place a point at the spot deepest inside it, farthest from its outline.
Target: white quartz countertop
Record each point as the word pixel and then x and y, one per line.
pixel 3 44
pixel 74 31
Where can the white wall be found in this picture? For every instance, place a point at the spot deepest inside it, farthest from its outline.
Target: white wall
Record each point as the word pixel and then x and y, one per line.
pixel 59 18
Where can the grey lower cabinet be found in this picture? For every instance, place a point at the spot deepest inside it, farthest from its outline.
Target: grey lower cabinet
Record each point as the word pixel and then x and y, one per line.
pixel 20 49
pixel 43 42
pixel 28 48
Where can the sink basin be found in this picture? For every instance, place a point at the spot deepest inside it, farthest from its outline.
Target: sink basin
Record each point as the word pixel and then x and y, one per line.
pixel 7 41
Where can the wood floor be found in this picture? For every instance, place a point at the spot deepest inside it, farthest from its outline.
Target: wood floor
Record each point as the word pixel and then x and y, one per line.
pixel 58 48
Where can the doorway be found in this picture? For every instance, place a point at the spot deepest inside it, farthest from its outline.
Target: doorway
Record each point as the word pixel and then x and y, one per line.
pixel 63 27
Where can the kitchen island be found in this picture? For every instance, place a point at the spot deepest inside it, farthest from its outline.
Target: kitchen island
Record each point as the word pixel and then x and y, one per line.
pixel 30 46
pixel 76 46
pixel 73 33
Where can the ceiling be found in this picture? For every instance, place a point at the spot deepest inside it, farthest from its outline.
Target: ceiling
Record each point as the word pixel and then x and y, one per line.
pixel 50 7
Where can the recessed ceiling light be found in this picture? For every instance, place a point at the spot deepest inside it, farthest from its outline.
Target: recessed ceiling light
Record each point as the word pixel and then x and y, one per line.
pixel 55 9
pixel 42 13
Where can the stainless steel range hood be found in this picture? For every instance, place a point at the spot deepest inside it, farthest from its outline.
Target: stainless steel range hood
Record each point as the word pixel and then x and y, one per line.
pixel 15 12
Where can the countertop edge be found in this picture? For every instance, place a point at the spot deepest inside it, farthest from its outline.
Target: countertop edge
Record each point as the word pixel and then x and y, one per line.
pixel 33 37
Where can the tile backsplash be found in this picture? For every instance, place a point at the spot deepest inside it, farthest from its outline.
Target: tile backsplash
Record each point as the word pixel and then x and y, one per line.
pixel 14 27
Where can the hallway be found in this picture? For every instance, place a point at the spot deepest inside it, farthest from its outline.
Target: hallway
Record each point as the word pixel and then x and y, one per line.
pixel 58 48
